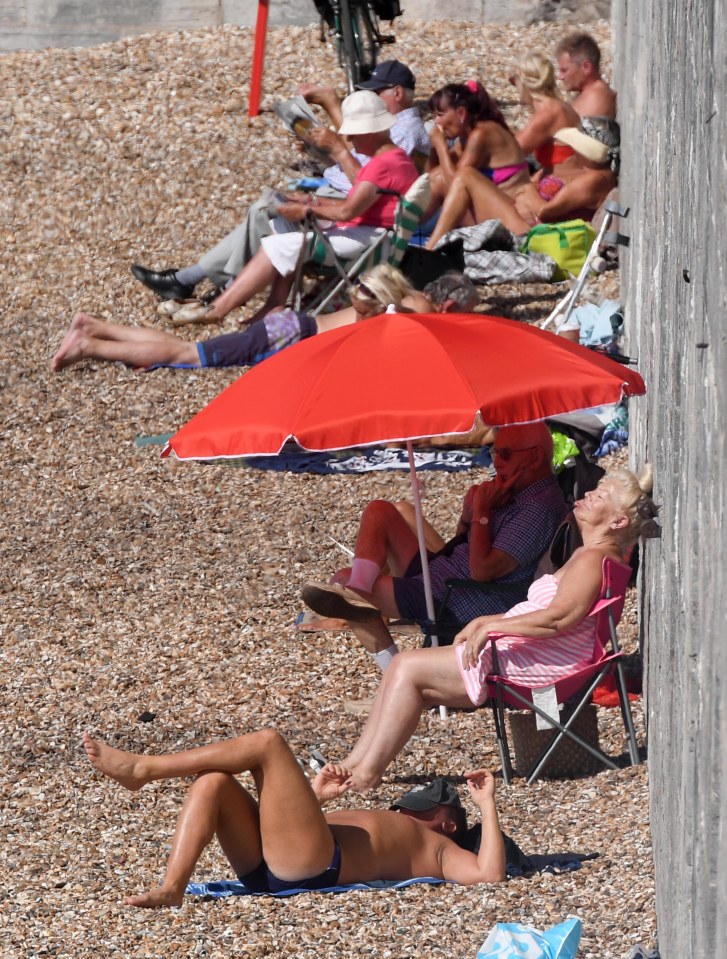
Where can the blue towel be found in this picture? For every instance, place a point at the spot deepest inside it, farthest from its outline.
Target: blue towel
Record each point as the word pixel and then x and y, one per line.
pixel 221 890
pixel 292 459
pixel 558 863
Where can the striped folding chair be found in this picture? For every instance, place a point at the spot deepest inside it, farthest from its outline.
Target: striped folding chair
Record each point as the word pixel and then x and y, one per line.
pixel 336 275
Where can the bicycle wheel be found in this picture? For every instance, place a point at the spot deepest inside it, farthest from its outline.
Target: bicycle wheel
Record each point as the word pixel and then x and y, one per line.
pixel 351 55
pixel 366 29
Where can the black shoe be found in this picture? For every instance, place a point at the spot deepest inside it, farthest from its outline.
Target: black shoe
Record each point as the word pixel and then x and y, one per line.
pixel 164 283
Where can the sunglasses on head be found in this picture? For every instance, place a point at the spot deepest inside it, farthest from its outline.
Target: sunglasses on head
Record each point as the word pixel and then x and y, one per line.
pixel 358 285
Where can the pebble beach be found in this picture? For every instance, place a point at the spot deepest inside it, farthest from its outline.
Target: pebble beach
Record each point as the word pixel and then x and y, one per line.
pixel 133 586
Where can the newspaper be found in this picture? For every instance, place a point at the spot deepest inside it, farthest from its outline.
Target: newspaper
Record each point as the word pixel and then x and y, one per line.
pixel 300 120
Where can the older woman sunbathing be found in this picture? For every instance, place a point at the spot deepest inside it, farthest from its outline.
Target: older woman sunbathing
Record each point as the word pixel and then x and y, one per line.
pixel 546 636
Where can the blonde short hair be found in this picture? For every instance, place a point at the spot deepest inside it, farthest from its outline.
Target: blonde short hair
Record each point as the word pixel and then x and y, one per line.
pixel 387 284
pixel 534 71
pixel 634 499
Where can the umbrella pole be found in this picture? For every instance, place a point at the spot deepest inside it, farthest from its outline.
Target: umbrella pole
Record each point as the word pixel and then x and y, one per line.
pixel 428 597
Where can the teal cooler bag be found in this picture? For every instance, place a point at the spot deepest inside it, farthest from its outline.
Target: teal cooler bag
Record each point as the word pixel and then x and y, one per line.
pixel 567 243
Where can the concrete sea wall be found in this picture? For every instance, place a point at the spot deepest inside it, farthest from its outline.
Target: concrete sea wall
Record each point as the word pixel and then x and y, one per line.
pixel 670 66
pixel 34 24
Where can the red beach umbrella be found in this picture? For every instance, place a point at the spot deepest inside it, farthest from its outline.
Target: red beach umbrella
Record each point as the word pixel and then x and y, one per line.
pixel 400 377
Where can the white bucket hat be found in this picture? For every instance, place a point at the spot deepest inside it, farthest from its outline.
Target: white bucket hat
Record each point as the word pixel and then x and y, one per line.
pixel 365 112
pixel 588 147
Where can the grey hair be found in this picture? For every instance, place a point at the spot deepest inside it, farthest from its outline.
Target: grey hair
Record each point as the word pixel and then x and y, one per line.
pixel 452 286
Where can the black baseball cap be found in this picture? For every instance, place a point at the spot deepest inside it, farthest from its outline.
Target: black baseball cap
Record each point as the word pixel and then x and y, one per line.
pixel 439 792
pixel 390 73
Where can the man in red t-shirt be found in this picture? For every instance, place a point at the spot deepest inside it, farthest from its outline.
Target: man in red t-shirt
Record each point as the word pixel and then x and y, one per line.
pixel 355 220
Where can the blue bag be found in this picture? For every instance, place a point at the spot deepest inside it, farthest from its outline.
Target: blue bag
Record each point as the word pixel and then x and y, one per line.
pixel 513 940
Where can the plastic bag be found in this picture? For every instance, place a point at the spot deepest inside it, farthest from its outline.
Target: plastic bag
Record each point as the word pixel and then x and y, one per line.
pixel 513 940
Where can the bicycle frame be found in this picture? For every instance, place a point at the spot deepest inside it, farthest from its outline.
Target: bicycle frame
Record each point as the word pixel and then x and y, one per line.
pixel 354 25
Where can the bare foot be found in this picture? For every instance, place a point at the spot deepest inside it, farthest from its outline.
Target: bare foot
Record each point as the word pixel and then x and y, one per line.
pixel 361 782
pixel 71 351
pixel 116 764
pixel 156 899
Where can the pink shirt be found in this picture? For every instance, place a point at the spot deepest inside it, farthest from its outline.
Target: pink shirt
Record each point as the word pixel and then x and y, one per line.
pixel 392 170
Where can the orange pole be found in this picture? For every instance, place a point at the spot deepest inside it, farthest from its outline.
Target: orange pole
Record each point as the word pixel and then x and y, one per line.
pixel 258 57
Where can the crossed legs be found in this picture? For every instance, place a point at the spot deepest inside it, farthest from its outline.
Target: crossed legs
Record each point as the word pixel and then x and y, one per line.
pixel 89 338
pixel 286 825
pixel 385 541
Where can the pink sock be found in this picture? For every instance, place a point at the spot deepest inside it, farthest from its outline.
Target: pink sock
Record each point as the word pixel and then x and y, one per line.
pixel 364 573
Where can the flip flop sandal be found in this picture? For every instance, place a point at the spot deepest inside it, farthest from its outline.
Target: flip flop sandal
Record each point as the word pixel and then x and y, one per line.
pixel 339 602
pixel 193 313
pixel 170 307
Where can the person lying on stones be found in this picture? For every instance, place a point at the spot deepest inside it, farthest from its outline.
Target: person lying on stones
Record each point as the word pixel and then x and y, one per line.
pixel 394 83
pixel 89 338
pixel 505 527
pixel 547 636
pixel 284 840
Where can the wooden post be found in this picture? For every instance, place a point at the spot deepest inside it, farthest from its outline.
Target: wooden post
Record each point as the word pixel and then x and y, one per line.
pixel 258 57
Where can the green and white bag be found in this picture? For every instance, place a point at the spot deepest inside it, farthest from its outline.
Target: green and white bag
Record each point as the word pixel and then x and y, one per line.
pixel 567 243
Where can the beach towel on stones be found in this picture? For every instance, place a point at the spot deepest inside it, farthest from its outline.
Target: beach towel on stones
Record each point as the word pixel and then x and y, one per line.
pixel 491 255
pixel 519 866
pixel 222 890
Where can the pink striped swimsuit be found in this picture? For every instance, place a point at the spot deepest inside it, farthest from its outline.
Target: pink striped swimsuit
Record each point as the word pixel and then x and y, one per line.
pixel 528 660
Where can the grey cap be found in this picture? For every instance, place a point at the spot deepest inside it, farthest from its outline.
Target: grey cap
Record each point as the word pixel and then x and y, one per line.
pixel 439 792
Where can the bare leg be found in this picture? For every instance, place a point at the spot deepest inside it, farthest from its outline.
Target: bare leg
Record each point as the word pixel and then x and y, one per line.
pixel 414 681
pixel 294 832
pixel 216 805
pixel 386 540
pixel 140 352
pixel 473 192
pixel 255 276
pixel 385 536
pixel 432 539
pixel 455 205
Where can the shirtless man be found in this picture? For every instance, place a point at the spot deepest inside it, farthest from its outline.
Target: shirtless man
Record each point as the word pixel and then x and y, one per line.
pixel 303 847
pixel 579 70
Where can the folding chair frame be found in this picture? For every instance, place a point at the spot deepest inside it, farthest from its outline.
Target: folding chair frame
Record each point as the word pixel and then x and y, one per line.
pixel 605 664
pixel 345 272
pixel 563 310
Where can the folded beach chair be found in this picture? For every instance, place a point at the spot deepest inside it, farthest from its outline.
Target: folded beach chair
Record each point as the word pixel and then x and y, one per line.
pixel 336 275
pixel 593 264
pixel 575 689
